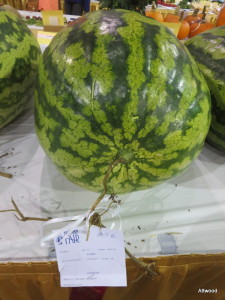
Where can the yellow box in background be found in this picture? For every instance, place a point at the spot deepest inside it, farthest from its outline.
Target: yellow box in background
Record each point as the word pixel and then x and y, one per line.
pixel 174 27
pixel 53 20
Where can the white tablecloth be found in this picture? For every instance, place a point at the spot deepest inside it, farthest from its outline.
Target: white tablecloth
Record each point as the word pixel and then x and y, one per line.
pixel 189 208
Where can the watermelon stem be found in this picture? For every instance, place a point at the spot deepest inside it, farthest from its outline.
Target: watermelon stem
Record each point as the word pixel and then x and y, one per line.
pixel 112 196
pixel 105 183
pixel 95 219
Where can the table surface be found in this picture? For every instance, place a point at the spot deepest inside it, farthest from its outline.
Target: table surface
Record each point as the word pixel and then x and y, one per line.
pixel 190 208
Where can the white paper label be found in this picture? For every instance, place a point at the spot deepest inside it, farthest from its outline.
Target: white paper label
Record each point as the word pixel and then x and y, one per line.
pixel 100 261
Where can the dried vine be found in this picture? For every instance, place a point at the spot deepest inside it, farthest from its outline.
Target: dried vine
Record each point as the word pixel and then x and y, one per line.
pixel 7 175
pixel 22 217
pixel 149 269
pixel 95 219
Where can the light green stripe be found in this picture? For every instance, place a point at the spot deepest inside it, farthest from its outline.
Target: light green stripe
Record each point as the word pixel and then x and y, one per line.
pixel 132 35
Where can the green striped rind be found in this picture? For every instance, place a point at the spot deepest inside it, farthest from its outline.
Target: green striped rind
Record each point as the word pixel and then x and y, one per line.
pixel 120 85
pixel 19 53
pixel 208 49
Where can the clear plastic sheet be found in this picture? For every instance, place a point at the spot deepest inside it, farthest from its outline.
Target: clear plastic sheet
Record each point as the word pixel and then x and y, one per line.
pixel 187 211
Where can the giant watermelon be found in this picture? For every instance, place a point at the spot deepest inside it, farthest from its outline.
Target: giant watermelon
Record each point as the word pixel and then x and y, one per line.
pixel 208 49
pixel 19 53
pixel 118 89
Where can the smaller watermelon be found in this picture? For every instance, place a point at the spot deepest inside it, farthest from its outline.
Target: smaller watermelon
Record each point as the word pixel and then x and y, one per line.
pixel 19 54
pixel 208 49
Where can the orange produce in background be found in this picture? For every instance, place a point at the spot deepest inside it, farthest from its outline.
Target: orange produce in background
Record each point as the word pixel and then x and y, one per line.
pixel 153 13
pixel 171 18
pixel 199 26
pixel 184 30
pixel 221 17
pixel 174 18
pixel 194 17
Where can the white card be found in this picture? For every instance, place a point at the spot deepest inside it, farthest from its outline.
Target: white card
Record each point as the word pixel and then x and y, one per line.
pixel 100 261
